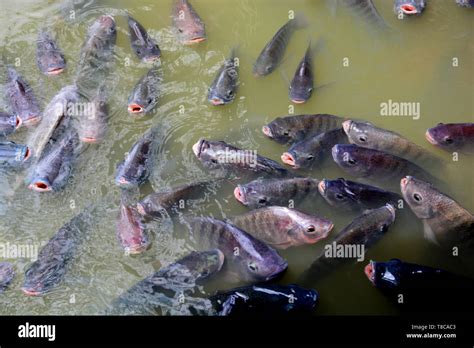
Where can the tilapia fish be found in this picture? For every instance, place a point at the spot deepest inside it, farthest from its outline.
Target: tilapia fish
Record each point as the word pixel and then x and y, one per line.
pixel 144 96
pixel 157 203
pixel 142 44
pixel 282 227
pixel 49 57
pixel 291 129
pixel 60 108
pixel 189 27
pixel 137 166
pixel 247 258
pixel 265 301
pixel 224 86
pixel 408 7
pixel 302 84
pixel 21 98
pixel 160 291
pixel 9 123
pixel 231 159
pixel 12 154
pixel 375 165
pixel 273 52
pixel 350 195
pixel 366 10
pixel 453 137
pixel 267 192
pixel 365 134
pixel 445 221
pixel 55 258
pixel 130 230
pixel 364 231
pixel 7 274
pixel 312 152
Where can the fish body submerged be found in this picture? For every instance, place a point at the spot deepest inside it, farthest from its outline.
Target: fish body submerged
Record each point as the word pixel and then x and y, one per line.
pixel 55 258
pixel 9 123
pixel 7 274
pixel 92 126
pixel 142 44
pixel 53 170
pixel 272 54
pixel 445 221
pixel 363 232
pixel 292 129
pixel 373 164
pixel 312 151
pixel 21 99
pixel 365 134
pixel 144 96
pixel 223 88
pixel 12 154
pixel 220 155
pixel 59 110
pixel 265 301
pixel 283 227
pixel 49 57
pixel 136 168
pixel 247 258
pixel 350 195
pixel 130 230
pixel 279 192
pixel 160 291
pixel 189 27
pixel 453 137
pixel 155 204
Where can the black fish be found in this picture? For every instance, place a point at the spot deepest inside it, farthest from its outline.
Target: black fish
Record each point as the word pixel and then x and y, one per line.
pixel 301 87
pixel 142 44
pixel 144 96
pixel 224 86
pixel 408 7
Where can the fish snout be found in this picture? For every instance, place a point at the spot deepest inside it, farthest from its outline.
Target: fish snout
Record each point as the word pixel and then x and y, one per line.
pixel 135 108
pixel 239 194
pixel 289 159
pixel 405 181
pixel 267 131
pixel 408 9
pixel 430 138
pixel 40 185
pixel 346 125
pixel 369 271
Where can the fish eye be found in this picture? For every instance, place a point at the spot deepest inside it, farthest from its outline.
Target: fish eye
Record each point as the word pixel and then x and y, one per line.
pixel 448 140
pixel 230 93
pixel 310 90
pixel 351 161
pixel 339 196
pixel 111 30
pixel 149 100
pixel 417 197
pixel 213 160
pixel 180 30
pixel 262 200
pixel 310 229
pixel 286 132
pixel 310 157
pixel 363 138
pixel 253 266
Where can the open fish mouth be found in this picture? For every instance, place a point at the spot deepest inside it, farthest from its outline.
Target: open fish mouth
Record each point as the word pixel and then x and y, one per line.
pixel 122 181
pixel 27 154
pixel 18 122
pixel 322 187
pixel 298 101
pixel 216 101
pixel 198 147
pixel 135 108
pixel 267 131
pixel 89 140
pixel 55 71
pixel 369 271
pixel 151 59
pixel 408 9
pixel 31 292
pixel 346 125
pixel 136 249
pixel 430 138
pixel 289 159
pixel 239 194
pixel 40 186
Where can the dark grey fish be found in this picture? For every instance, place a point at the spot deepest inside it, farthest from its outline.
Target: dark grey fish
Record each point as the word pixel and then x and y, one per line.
pixel 21 99
pixel 220 155
pixel 144 96
pixel 363 232
pixel 350 195
pixel 52 171
pixel 92 126
pixel 49 57
pixel 7 274
pixel 267 192
pixel 223 88
pixel 291 129
pixel 247 258
pixel 302 84
pixel 8 123
pixel 189 27
pixel 155 204
pixel 408 7
pixel 265 301
pixel 160 292
pixel 12 154
pixel 136 168
pixel 311 152
pixel 56 257
pixel 272 54
pixel 142 44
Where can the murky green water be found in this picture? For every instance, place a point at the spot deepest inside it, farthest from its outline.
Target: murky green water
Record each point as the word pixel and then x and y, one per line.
pixel 414 64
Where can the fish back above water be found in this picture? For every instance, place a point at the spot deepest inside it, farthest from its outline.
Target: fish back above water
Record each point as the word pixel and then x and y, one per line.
pixel 144 96
pixel 189 27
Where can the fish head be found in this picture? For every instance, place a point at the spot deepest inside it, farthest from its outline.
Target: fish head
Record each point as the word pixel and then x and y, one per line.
pixel 300 90
pixel 41 184
pixel 265 268
pixel 409 7
pixel 131 232
pixel 384 275
pixel 307 229
pixel 337 193
pixel 421 196
pixel 204 264
pixel 444 137
pixel 351 159
pixel 142 99
pixel 280 130
pixel 252 195
pixel 223 93
pixel 360 133
pixel 211 152
pixel 189 26
pixel 104 29
pixel 52 63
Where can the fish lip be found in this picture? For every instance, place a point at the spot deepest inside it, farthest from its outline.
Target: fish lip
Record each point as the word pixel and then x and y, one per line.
pixel 369 271
pixel 346 125
pixel 430 138
pixel 239 194
pixel 136 109
pixel 289 159
pixel 335 151
pixel 391 209
pixel 54 71
pixel 89 140
pixel 195 40
pixel 136 249
pixel 18 122
pixel 31 292
pixel 408 9
pixel 216 101
pixel 322 187
pixel 298 101
pixel 40 185
pixel 151 59
pixel 267 131
pixel 121 181
pixel 197 148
